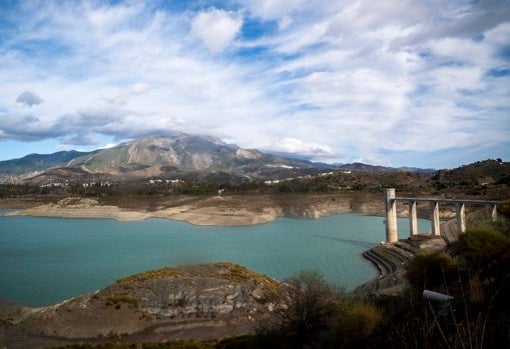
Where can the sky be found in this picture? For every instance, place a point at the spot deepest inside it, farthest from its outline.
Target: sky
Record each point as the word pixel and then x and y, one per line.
pixel 423 83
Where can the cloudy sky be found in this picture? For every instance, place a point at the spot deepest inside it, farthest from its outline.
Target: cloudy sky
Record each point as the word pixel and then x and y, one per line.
pixel 403 83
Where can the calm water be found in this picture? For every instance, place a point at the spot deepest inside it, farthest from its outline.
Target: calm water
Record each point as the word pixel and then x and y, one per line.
pixel 46 260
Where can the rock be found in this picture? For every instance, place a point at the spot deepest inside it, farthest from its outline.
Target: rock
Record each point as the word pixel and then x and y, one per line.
pixel 162 300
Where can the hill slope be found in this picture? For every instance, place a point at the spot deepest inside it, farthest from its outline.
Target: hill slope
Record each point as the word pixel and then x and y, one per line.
pixel 37 162
pixel 479 173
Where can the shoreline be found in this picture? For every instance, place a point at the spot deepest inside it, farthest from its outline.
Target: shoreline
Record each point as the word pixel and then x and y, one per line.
pixel 92 209
pixel 209 211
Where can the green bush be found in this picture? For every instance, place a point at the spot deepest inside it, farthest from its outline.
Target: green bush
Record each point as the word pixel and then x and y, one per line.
pixel 308 320
pixel 364 319
pixel 358 327
pixel 485 251
pixel 504 209
pixel 430 270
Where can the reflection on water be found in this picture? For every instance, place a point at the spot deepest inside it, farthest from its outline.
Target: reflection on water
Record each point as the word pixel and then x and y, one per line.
pixel 363 244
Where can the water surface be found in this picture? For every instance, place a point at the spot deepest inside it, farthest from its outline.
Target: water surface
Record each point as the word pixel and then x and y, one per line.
pixel 46 260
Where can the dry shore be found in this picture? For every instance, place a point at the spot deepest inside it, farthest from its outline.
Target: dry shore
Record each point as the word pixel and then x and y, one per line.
pixel 214 210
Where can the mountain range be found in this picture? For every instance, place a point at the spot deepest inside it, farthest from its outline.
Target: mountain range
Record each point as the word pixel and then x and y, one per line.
pixel 180 156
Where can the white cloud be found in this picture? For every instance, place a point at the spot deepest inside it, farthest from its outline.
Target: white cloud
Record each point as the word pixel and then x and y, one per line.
pixel 296 146
pixel 109 145
pixel 139 87
pixel 327 79
pixel 216 28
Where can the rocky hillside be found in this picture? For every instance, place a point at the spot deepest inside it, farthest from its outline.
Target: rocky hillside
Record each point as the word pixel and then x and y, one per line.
pixel 180 156
pixel 195 302
pixel 183 153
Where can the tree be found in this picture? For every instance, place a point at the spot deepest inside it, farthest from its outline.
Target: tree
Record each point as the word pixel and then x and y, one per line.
pixel 312 306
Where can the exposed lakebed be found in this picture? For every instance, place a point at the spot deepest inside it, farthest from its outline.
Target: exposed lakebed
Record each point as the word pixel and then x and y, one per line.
pixel 46 260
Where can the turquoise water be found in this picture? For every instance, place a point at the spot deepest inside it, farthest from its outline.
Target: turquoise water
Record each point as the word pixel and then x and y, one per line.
pixel 46 260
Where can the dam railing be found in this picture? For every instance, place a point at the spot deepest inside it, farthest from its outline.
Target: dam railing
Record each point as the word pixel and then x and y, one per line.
pixel 460 204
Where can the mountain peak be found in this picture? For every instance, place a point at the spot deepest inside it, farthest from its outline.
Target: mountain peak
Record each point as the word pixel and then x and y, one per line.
pixel 180 152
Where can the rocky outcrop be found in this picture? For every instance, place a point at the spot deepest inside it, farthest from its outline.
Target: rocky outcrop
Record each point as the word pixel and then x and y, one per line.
pixel 194 301
pixel 198 291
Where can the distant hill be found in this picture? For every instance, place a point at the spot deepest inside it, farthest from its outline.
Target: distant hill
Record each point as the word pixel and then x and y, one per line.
pixel 360 167
pixel 37 162
pixel 479 173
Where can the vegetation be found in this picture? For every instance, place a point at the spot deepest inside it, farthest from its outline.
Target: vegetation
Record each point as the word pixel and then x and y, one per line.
pixel 309 315
pixel 168 345
pixel 429 270
pixel 484 179
pixel 475 271
pixel 120 299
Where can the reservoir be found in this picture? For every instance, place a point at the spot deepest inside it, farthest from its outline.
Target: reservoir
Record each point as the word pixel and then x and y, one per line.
pixel 44 261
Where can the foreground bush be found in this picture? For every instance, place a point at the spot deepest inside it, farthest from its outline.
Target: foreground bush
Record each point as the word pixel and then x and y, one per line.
pixel 431 271
pixel 486 253
pixel 312 306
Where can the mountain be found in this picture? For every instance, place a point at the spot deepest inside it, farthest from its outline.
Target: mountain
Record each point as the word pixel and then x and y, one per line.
pixel 37 162
pixel 157 155
pixel 181 156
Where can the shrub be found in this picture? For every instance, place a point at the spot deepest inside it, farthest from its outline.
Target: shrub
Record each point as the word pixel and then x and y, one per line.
pixel 504 209
pixel 358 326
pixel 364 319
pixel 430 270
pixel 485 251
pixel 312 307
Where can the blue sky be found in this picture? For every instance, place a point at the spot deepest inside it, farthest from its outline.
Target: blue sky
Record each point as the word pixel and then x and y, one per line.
pixel 400 83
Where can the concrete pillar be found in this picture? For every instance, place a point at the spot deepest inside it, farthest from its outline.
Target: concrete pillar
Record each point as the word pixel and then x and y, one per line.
pixel 391 215
pixel 434 218
pixel 494 212
pixel 461 217
pixel 413 218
